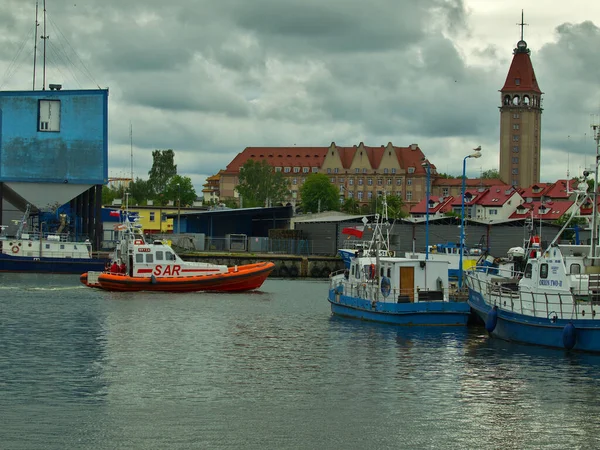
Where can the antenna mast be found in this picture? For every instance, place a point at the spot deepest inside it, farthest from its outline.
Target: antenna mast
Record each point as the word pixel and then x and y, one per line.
pixel 44 37
pixel 594 243
pixel 37 24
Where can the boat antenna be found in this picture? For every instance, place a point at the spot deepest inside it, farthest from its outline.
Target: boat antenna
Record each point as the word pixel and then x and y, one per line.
pixel 44 37
pixel 37 24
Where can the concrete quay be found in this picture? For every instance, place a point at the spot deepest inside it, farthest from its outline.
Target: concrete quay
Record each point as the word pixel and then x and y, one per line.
pixel 286 266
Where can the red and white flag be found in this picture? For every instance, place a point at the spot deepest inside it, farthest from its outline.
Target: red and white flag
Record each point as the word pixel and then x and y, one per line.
pixel 114 213
pixel 354 231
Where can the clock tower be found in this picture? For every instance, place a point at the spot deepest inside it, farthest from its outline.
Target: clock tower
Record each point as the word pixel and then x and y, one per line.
pixel 520 120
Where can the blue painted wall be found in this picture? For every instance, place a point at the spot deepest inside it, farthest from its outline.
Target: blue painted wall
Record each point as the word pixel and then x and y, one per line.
pixel 77 153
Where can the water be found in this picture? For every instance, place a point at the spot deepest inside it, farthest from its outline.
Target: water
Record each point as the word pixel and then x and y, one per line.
pixel 82 368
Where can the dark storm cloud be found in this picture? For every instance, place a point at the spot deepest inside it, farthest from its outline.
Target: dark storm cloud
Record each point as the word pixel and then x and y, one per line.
pixel 208 78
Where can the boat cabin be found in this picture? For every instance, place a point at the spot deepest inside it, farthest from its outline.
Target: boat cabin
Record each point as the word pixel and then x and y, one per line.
pixel 50 246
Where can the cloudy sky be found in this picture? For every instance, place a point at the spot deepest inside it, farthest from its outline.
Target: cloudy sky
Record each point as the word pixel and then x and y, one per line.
pixel 208 78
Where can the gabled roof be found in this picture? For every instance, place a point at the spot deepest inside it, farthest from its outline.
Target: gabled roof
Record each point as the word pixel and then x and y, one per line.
pixel 534 191
pixel 442 205
pixel 496 195
pixel 521 76
pixel 473 194
pixel 558 189
pixel 280 157
pixel 550 210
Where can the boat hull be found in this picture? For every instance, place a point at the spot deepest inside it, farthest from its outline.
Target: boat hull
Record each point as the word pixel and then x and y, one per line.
pixel 546 332
pixel 10 263
pixel 426 313
pixel 242 278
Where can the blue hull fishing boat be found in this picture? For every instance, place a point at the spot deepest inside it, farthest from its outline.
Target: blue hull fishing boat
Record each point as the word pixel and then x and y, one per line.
pixel 548 297
pixel 394 290
pixel 46 252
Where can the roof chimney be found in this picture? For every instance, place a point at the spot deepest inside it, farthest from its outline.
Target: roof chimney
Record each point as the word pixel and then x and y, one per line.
pixel 413 146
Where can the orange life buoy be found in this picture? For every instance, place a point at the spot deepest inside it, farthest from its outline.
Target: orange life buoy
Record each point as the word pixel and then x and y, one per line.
pixel 372 270
pixel 15 249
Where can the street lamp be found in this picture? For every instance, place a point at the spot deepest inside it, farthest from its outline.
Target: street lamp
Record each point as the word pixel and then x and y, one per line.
pixel 428 170
pixel 476 154
pixel 178 208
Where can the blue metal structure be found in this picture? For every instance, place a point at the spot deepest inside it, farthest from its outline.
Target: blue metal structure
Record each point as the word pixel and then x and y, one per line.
pixel 75 151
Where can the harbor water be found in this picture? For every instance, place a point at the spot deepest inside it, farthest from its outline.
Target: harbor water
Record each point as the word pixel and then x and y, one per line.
pixel 87 369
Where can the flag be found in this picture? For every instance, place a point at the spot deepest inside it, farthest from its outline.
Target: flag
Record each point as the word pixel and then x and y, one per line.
pixel 354 231
pixel 114 214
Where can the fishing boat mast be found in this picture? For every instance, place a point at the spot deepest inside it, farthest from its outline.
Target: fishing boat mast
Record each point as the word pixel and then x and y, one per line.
pixel 594 238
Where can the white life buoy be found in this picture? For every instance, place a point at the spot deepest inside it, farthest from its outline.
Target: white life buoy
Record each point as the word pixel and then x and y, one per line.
pixel 15 249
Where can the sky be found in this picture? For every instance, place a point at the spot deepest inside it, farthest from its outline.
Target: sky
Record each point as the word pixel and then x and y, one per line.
pixel 208 78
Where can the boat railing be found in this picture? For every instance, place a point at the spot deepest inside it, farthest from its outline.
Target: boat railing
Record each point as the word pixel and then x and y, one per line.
pixel 371 290
pixel 504 293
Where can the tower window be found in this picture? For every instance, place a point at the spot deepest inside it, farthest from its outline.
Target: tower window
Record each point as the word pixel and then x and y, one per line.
pixel 515 137
pixel 517 81
pixel 516 149
pixel 516 100
pixel 515 171
pixel 515 160
pixel 515 115
pixel 515 126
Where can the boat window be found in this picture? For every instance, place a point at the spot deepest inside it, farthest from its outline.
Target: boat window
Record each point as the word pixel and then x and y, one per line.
pixel 62 246
pixel 528 270
pixel 139 258
pixel 389 272
pixel 170 256
pixel 159 255
pixel 149 258
pixel 544 271
pixel 47 246
pixel 575 268
pixel 352 270
pixel 75 247
pixel 381 272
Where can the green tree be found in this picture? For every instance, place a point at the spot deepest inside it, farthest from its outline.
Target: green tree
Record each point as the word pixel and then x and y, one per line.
pixel 260 185
pixel 319 194
pixel 351 206
pixel 110 193
pixel 395 207
pixel 163 169
pixel 488 174
pixel 569 233
pixel 445 175
pixel 180 190
pixel 140 192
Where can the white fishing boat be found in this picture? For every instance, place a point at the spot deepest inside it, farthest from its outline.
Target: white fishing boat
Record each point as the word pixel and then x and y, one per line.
pixel 395 290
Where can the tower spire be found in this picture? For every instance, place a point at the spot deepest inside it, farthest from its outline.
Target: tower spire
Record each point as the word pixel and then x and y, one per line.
pixel 522 24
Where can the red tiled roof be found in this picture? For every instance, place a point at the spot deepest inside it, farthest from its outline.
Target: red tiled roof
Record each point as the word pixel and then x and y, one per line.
pixel 475 195
pixel 496 195
pixel 411 156
pixel 443 204
pixel 554 210
pixel 280 157
pixel 558 189
pixel 521 69
pixel 346 155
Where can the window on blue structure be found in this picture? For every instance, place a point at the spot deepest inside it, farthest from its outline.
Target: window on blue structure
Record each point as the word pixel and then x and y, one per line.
pixel 49 115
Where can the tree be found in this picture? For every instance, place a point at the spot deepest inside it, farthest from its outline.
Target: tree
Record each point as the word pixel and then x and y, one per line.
pixel 351 206
pixel 163 169
pixel 395 207
pixel 111 193
pixel 488 174
pixel 140 192
pixel 260 185
pixel 318 194
pixel 180 190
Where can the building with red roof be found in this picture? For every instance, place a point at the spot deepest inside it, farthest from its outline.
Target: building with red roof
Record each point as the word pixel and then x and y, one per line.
pixel 360 172
pixel 520 121
pixel 438 207
pixel 538 210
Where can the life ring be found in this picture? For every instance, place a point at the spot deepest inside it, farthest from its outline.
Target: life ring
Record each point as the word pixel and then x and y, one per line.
pixel 391 253
pixel 138 242
pixel 15 249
